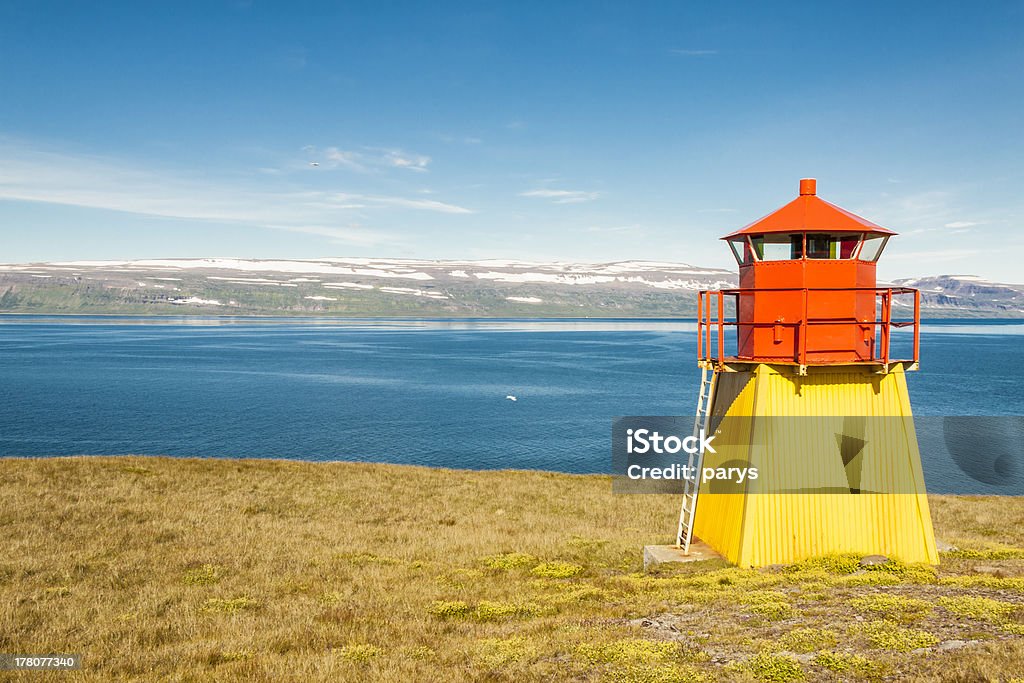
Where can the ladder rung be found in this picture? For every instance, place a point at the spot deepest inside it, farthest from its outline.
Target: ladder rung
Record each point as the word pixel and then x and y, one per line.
pixel 691 487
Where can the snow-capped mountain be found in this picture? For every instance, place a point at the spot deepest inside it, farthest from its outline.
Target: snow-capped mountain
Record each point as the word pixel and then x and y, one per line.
pixel 659 275
pixel 967 292
pixel 383 286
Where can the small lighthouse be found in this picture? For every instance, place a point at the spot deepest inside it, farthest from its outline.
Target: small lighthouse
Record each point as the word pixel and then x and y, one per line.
pixel 800 381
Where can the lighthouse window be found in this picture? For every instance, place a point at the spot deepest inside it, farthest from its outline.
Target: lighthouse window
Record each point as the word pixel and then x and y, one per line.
pixel 777 246
pixel 848 245
pixel 832 246
pixel 741 250
pixel 872 248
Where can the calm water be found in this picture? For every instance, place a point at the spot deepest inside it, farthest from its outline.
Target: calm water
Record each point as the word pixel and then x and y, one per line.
pixel 429 393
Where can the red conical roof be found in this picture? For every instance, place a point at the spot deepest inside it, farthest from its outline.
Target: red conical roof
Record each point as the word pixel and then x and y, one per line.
pixel 809 213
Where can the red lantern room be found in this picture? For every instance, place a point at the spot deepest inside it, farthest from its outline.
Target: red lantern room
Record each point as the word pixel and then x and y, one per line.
pixel 807 293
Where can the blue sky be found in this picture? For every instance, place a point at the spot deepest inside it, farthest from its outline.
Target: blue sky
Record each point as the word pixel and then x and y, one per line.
pixel 576 131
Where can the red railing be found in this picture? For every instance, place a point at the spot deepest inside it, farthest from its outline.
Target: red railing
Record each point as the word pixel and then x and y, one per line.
pixel 711 325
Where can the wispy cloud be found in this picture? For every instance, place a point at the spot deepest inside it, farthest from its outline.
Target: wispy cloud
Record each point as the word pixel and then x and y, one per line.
pixel 293 58
pixel 689 52
pixel 455 139
pixel 931 255
pixel 938 213
pixel 562 196
pixel 353 234
pixel 335 157
pixel 56 177
pixel 615 229
pixel 399 159
pixel 422 205
pixel 912 212
pixel 366 159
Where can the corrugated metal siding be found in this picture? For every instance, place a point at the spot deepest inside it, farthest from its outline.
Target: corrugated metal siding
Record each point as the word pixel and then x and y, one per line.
pixel 719 517
pixel 759 529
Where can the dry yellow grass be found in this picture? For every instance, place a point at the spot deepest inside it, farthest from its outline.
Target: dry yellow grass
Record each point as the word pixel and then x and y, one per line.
pixel 173 569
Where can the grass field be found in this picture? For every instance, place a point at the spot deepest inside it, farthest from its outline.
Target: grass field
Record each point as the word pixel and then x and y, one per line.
pixel 171 569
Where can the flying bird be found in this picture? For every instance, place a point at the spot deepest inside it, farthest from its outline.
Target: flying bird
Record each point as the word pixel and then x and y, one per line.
pixel 314 163
pixel 511 397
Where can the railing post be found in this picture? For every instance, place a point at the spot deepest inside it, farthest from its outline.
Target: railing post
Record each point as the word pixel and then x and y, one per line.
pixel 700 325
pixel 878 340
pixel 707 325
pixel 721 326
pixel 917 324
pixel 887 323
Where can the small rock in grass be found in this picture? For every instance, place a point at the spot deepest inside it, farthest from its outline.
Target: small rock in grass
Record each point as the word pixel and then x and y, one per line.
pixel 991 571
pixel 873 560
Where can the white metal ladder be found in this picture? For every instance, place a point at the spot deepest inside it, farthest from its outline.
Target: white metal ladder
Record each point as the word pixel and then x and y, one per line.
pixel 691 487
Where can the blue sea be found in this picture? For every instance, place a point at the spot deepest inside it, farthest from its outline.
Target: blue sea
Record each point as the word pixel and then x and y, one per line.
pixel 430 392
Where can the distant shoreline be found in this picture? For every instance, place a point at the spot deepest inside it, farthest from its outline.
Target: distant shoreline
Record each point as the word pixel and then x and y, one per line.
pixel 412 288
pixel 925 319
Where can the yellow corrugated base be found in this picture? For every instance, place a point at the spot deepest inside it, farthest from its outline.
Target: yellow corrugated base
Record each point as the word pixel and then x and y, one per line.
pixel 758 529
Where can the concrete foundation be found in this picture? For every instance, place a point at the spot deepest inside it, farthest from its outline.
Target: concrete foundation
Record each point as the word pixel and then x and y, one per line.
pixel 655 555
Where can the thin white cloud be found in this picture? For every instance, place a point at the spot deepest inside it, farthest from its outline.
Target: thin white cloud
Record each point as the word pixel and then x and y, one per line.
pixel 366 160
pixel 562 196
pixel 615 229
pixel 930 255
pixel 352 234
pixel 457 139
pixel 912 212
pixel 684 52
pixel 293 58
pixel 55 177
pixel 421 204
pixel 399 159
pixel 340 158
pixel 936 215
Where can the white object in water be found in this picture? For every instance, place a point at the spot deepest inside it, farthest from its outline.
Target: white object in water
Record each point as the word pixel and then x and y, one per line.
pixel 511 397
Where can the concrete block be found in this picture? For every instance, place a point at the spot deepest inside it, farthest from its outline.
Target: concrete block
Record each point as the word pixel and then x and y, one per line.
pixel 655 555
